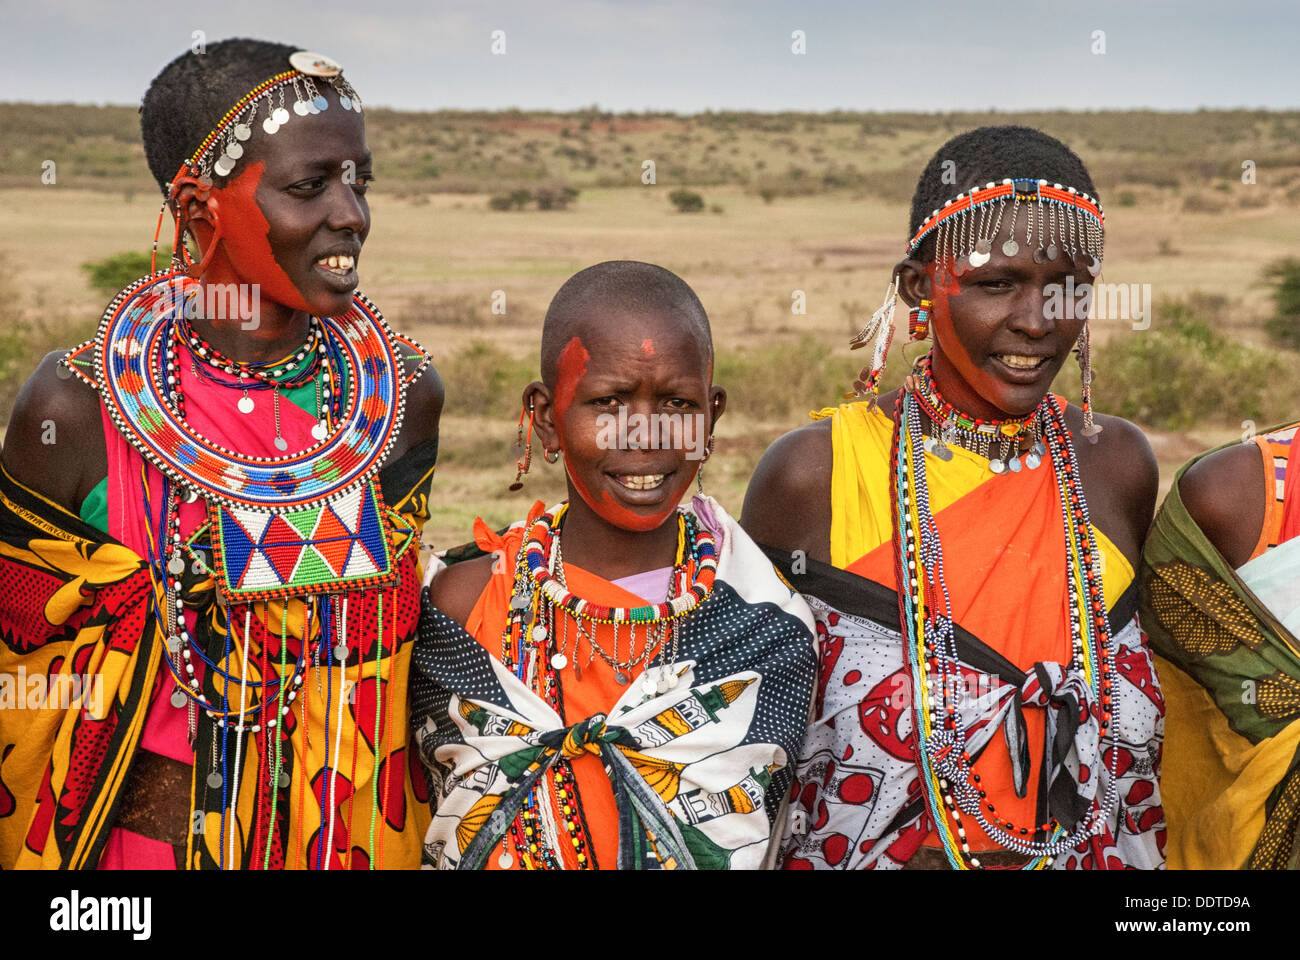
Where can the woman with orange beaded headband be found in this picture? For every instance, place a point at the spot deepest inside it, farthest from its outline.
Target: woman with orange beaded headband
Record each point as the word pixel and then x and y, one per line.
pixel 238 516
pixel 987 696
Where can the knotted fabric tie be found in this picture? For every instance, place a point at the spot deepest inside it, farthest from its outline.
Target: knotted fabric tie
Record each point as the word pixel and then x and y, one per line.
pixel 646 828
pixel 1072 747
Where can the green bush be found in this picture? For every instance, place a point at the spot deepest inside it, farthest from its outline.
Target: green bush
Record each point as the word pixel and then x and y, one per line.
pixel 111 274
pixel 1182 371
pixel 1284 326
pixel 483 379
pixel 686 201
pixel 500 201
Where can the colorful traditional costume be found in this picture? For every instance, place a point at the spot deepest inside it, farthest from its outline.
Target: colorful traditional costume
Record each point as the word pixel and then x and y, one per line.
pixel 544 755
pixel 210 552
pixel 866 797
pixel 1230 647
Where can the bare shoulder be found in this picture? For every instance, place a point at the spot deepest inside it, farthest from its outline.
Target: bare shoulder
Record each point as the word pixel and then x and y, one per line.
pixel 54 442
pixel 424 399
pixel 1121 479
pixel 1223 493
pixel 788 502
pixel 457 588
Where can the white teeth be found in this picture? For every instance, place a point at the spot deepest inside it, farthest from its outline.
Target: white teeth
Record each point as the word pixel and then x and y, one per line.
pixel 1023 363
pixel 646 482
pixel 338 264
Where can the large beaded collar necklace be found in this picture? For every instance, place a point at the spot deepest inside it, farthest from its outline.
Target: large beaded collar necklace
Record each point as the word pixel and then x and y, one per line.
pixel 261 508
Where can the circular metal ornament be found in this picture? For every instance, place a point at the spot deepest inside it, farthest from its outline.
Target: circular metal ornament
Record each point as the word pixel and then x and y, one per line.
pixel 234 149
pixel 319 431
pixel 1039 448
pixel 321 103
pixel 559 661
pixel 518 602
pixel 649 685
pixel 356 106
pixel 178 698
pixel 978 259
pixel 345 101
pixel 998 467
pixel 621 678
pixel 214 780
pixel 281 444
pixel 245 404
pixel 176 566
pixel 505 861
pixel 1033 460
pixel 538 634
pixel 942 451
pixel 280 115
pixel 1010 248
pixel 1040 255
pixel 314 64
pixel 1053 251
pixel 174 646
pixel 1014 464
pixel 284 780
pixel 340 652
pixel 300 107
pixel 223 166
pixel 270 126
pixel 243 131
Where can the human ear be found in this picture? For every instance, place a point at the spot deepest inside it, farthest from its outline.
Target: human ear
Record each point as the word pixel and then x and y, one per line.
pixel 538 396
pixel 717 405
pixel 914 281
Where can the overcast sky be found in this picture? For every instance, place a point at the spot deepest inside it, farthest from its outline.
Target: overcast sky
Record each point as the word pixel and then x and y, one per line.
pixel 689 56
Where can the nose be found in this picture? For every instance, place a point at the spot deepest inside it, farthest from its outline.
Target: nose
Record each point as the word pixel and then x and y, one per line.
pixel 1032 314
pixel 348 210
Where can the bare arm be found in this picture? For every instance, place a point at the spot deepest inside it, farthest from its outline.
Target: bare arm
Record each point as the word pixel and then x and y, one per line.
pixel 788 503
pixel 1223 494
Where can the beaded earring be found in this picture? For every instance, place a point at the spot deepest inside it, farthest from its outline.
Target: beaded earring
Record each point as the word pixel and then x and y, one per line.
pixel 881 327
pixel 523 448
pixel 1083 349
pixel 699 474
pixel 918 321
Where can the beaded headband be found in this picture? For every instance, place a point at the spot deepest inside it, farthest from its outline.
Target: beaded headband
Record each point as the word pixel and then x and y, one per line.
pixel 222 147
pixel 1064 218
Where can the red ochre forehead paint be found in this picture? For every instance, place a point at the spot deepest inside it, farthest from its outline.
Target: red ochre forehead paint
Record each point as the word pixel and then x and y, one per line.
pixel 648 347
pixel 245 232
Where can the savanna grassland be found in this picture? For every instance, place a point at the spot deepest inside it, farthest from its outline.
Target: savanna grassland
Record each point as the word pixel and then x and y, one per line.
pixel 790 202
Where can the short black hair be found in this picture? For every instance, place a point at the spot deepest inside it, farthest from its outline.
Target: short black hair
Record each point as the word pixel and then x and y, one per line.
pixel 191 94
pixel 992 154
pixel 618 286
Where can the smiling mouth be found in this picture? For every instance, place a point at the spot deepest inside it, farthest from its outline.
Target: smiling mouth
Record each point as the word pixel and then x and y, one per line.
pixel 1021 362
pixel 340 266
pixel 648 481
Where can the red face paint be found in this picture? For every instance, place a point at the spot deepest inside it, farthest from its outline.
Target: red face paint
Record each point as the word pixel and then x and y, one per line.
pixel 245 254
pixel 648 347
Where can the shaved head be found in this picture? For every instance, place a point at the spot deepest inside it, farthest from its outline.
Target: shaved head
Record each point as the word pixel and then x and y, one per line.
pixel 610 292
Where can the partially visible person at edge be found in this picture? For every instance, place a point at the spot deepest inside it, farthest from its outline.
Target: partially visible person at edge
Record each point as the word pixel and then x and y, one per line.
pixel 635 702
pixel 1221 604
pixel 223 536
pixel 967 546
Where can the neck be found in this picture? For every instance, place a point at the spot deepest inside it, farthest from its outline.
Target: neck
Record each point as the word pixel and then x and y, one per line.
pixel 271 332
pixel 596 545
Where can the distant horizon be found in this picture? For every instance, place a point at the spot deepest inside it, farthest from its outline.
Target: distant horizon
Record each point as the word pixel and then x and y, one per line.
pixel 692 56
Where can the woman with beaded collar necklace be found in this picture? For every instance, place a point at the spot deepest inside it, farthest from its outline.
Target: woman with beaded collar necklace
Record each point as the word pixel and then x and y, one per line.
pixel 224 538
pixel 986 698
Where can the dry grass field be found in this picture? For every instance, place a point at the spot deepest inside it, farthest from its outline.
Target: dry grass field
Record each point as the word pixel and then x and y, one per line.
pixel 1179 219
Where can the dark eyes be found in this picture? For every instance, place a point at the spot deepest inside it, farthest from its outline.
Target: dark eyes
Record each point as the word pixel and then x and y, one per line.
pixel 314 185
pixel 677 403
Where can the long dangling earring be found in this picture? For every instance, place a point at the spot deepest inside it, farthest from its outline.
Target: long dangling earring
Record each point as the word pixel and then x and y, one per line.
pixel 918 321
pixel 1084 348
pixel 699 474
pixel 523 448
pixel 881 326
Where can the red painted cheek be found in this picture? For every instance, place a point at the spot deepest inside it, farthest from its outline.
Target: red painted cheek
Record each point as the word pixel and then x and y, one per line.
pixel 245 233
pixel 648 347
pixel 571 368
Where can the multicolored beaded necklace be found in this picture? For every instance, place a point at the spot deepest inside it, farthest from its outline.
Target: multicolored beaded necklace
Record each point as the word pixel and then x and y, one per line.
pixel 533 645
pixel 978 435
pixel 952 787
